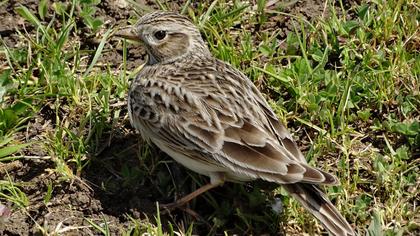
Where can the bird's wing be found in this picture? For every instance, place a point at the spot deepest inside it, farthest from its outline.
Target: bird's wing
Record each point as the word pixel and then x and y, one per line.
pixel 216 112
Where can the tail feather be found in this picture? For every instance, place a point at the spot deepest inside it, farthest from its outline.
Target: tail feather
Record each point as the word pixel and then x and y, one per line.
pixel 315 201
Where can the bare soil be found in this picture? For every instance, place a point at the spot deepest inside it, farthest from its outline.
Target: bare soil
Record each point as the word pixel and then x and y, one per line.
pixel 100 192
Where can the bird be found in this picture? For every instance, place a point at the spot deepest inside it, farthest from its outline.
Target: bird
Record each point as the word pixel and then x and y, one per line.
pixel 210 117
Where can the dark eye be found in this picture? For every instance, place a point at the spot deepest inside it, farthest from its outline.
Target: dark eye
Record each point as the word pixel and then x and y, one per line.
pixel 161 34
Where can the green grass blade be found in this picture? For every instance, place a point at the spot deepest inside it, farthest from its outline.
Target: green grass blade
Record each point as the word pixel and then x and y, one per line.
pixel 98 52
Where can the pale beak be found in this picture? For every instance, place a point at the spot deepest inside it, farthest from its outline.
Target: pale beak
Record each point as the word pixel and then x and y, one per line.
pixel 128 33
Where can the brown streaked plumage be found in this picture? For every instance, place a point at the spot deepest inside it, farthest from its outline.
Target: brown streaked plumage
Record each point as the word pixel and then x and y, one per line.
pixel 211 118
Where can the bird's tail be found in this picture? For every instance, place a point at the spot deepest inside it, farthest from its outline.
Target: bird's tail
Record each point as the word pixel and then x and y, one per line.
pixel 315 201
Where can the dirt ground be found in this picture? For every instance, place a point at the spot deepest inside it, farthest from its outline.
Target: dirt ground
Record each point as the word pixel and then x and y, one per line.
pixel 74 201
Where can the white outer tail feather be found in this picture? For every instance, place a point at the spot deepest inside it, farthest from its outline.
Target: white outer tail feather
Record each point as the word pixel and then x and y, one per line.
pixel 314 200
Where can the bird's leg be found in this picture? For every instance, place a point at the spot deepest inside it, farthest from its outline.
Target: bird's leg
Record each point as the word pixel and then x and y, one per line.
pixel 216 179
pixel 189 197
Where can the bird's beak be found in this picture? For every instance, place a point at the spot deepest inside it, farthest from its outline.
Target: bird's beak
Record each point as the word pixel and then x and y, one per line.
pixel 128 33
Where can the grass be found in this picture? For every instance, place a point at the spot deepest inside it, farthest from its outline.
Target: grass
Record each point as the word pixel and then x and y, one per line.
pixel 346 83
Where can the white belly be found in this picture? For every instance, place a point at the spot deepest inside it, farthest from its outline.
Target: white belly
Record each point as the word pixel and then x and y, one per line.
pixel 203 168
pixel 197 166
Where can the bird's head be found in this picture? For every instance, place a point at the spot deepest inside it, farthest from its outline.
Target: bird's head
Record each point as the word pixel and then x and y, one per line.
pixel 167 37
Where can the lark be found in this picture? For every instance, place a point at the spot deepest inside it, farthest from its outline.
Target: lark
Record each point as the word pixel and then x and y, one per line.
pixel 211 118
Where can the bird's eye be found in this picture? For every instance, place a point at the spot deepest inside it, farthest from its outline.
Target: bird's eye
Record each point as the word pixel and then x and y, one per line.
pixel 161 34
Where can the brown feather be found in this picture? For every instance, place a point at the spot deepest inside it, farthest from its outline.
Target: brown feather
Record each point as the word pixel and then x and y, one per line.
pixel 315 201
